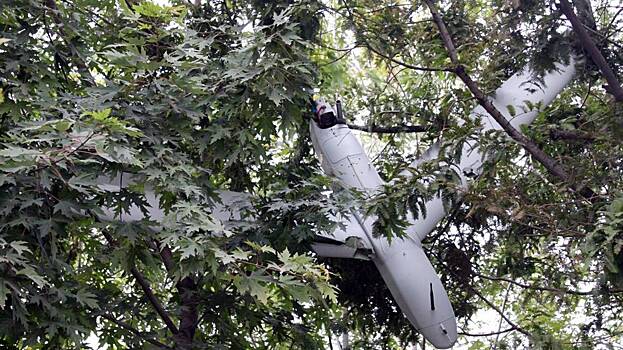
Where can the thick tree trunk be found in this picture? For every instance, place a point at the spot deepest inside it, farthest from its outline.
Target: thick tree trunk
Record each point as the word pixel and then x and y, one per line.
pixel 187 290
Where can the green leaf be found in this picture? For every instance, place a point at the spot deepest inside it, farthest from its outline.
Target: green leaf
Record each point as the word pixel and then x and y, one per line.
pixel 29 272
pixel 99 115
pixel 20 247
pixel 327 291
pixel 6 179
pixel 190 249
pixel 87 299
pixel 260 247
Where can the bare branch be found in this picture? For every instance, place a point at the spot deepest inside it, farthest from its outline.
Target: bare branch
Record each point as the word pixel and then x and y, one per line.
pixel 390 129
pixel 153 299
pixel 487 334
pixel 166 255
pixel 491 305
pixel 585 13
pixel 482 297
pixel 187 290
pixel 614 87
pixel 497 336
pixel 572 135
pixel 344 54
pixel 66 155
pixel 135 331
pixel 407 65
pixel 546 289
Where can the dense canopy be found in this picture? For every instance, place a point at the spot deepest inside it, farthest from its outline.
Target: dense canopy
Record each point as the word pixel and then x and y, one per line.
pixel 198 97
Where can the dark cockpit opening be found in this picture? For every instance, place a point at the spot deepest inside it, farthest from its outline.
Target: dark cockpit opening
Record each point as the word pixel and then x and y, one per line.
pixel 325 116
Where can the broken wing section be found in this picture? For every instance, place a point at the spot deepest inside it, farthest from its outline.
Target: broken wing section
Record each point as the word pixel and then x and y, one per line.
pixel 349 241
pixel 227 207
pixel 346 241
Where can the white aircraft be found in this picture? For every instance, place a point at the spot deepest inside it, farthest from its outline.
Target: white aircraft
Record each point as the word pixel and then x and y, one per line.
pixel 403 264
pixel 405 268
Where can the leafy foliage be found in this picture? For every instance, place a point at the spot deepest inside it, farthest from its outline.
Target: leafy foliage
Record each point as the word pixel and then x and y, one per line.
pixel 517 239
pixel 195 98
pixel 190 103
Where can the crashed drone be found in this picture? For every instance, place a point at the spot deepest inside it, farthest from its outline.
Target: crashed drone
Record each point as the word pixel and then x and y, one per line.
pixel 403 264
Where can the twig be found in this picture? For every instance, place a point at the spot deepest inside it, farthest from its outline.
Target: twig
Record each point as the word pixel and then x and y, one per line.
pixel 488 334
pixel 404 64
pixel 390 129
pixel 497 336
pixel 344 54
pixel 135 331
pixel 66 155
pixel 482 297
pixel 153 299
pixel 546 289
pixel 588 94
pixel 491 305
pixel 53 8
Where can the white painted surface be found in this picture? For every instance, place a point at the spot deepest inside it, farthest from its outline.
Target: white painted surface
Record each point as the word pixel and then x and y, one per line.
pixel 227 206
pixel 405 268
pixel 518 92
pixel 403 265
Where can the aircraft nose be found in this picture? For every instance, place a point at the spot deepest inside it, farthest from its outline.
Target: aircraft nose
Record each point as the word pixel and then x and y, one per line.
pixel 442 335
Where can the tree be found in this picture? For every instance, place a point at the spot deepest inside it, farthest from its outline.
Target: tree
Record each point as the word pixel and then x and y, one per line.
pixel 195 98
pixel 190 99
pixel 533 224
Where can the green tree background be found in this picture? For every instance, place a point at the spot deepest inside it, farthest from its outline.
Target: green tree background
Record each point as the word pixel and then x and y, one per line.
pixel 198 97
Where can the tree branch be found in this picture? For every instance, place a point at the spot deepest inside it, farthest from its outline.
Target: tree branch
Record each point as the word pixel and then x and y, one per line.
pixel 497 336
pixel 135 331
pixel 614 87
pixel 55 14
pixel 585 13
pixel 52 162
pixel 546 289
pixel 573 135
pixel 487 334
pixel 390 129
pixel 187 290
pixel 344 54
pixel 548 162
pixel 165 255
pixel 491 305
pixel 153 299
pixel 407 65
pixel 482 297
